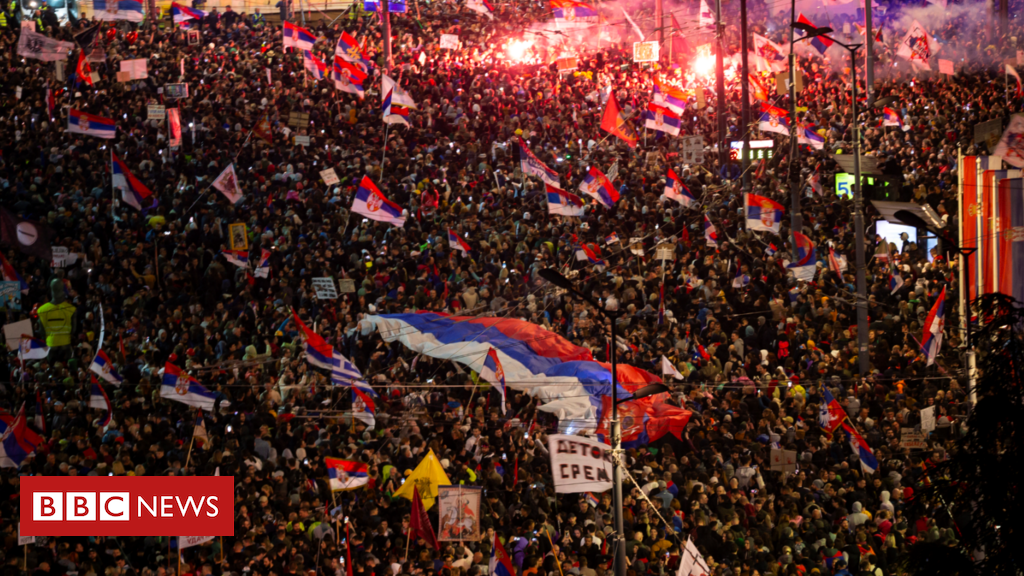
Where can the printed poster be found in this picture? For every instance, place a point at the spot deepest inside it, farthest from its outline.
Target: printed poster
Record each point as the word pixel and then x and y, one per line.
pixel 458 513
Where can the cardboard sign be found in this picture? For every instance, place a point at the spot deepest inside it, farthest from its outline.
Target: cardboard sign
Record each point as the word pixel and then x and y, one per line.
pixel 928 419
pixel 330 177
pixel 450 41
pixel 325 289
pixel 301 140
pixel 911 439
pixel 156 112
pixel 665 251
pixel 783 460
pixel 238 236
pixel 25 540
pixel 60 257
pixel 137 68
pixel 645 51
pixel 636 246
pixel 14 330
pixel 17 92
pixel 346 285
pixel 194 38
pixel 693 149
pixel 567 64
pixel 946 67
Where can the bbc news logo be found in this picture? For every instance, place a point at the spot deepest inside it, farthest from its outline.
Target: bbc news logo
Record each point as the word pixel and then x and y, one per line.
pixel 127 506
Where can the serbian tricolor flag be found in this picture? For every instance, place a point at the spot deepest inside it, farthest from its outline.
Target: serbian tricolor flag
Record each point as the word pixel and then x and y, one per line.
pixel 592 500
pixel 177 385
pixel 662 119
pixel 762 213
pixel 895 280
pixel 868 462
pixel 931 340
pixel 363 408
pixel 318 352
pixel 806 263
pixel 615 123
pixel 11 275
pixel 239 258
pixel 371 203
pixel 676 190
pixel 349 49
pixel 591 255
pixel 710 232
pixel 562 203
pixel 83 123
pixel 297 37
pixel 180 13
pixel 831 414
pixel 103 366
pixel 346 474
pixel 263 267
pixel 820 43
pixel 98 399
pixel 833 262
pixel 596 185
pixel 891 118
pixel 501 563
pixel 315 66
pixel 30 348
pixel 457 243
pixel 492 372
pixel 133 191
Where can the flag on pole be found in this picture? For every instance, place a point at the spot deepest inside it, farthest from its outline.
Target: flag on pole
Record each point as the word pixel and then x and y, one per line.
pixel 32 348
pixel 668 96
pixel 676 190
pixel 662 119
pixel 133 191
pixel 493 373
pixel 762 213
pixel 348 48
pixel 177 385
pixel 596 185
pixel 931 340
pixel 263 266
pixel 98 399
pixel 918 46
pixel 318 352
pixel 82 69
pixel 710 232
pixel 706 17
pixel 315 66
pixel 831 414
pixel 181 13
pixel 774 55
pixel 41 47
pixel 532 166
pixel 457 243
pixel 773 119
pixel 17 440
pixel 669 369
pixel 820 43
pixel 103 367
pixel 868 462
pixel 82 123
pixel 501 563
pixel 297 37
pixel 806 262
pixel 616 124
pixel 562 203
pixel 1019 92
pixel 891 118
pixel 346 474
pixel 349 77
pixel 364 408
pixel 371 203
pixel 692 562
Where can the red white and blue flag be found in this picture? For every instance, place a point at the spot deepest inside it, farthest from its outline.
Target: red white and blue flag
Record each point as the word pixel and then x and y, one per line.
pixel 669 96
pixel 457 243
pixel 762 213
pixel 611 238
pixel 891 118
pixel 103 367
pixel 263 267
pixel 662 119
pixel 501 563
pixel 676 190
pixel 363 407
pixel 346 474
pixel 32 348
pixel 868 462
pixel 931 340
pixel 177 385
pixel 532 166
pixel 562 203
pixel 181 13
pixel 91 125
pixel 371 203
pixel 239 258
pixel 98 399
pixel 348 77
pixel 806 262
pixel 820 43
pixel 710 232
pixel 297 37
pixel 349 49
pixel 17 440
pixel 492 372
pixel 315 66
pixel 831 414
pixel 774 119
pixel 481 7
pixel 596 185
pixel 133 191
pixel 592 255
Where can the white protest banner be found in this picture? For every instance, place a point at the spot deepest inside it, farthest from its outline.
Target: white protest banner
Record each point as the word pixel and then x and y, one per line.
pixel 580 464
pixel 330 177
pixel 325 288
pixel 301 140
pixel 135 68
pixel 911 439
pixel 450 41
pixel 14 331
pixel 155 112
pixel 645 51
pixel 25 540
pixel 190 541
pixel 60 257
pixel 946 67
pixel 928 419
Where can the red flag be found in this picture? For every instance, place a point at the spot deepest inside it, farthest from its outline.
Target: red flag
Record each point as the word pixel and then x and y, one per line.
pixel 348 552
pixel 419 522
pixel 616 124
pixel 120 344
pixel 83 70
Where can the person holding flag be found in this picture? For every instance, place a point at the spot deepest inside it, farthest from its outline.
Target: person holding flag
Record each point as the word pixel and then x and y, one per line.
pixel 676 190
pixel 458 244
pixel 931 339
pixel 562 203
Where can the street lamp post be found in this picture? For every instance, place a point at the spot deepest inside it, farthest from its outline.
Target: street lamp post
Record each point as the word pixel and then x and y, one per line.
pixel 552 275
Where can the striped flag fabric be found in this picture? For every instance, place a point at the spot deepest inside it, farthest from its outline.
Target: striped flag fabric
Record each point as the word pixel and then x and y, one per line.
pixel 346 474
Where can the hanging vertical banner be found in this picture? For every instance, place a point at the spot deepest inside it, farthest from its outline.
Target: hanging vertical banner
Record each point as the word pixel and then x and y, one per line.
pixel 174 125
pixel 458 513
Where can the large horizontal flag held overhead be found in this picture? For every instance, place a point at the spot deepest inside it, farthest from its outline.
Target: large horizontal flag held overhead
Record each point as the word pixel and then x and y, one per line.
pixel 177 385
pixel 83 123
pixel 370 202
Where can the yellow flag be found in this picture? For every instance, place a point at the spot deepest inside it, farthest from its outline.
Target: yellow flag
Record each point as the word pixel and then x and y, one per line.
pixel 427 476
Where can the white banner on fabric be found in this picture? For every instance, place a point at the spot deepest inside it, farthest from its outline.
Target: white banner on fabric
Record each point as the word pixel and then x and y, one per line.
pixel 580 464
pixel 190 541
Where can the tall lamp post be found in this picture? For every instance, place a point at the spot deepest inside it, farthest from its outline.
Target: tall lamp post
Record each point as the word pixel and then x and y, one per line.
pixel 552 275
pixel 863 359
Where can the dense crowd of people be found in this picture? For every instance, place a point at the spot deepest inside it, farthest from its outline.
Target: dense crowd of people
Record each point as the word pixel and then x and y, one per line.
pixel 758 351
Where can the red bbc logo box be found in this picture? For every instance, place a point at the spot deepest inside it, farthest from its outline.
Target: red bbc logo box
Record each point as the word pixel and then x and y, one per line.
pixel 127 506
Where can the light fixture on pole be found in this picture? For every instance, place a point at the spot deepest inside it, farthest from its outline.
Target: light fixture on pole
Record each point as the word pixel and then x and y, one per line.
pixel 555 277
